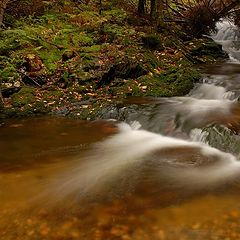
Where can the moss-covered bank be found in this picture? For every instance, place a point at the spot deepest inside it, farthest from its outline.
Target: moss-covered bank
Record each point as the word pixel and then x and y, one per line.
pixel 72 61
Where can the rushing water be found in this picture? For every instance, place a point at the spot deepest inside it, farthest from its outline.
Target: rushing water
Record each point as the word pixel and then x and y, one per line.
pixel 165 168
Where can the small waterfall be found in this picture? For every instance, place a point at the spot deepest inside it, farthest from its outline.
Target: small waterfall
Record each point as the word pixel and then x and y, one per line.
pixel 206 104
pixel 226 31
pixel 210 91
pixel 228 35
pixel 177 154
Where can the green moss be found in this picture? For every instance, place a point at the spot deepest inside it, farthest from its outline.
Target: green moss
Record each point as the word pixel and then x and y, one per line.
pixel 8 71
pixel 210 49
pixel 81 89
pixel 53 18
pixel 48 37
pixel 82 39
pixel 12 40
pixel 40 107
pixel 50 58
pixel 114 29
pixel 151 60
pixel 114 32
pixel 24 97
pixel 25 111
pixel 67 46
pixel 172 43
pixel 88 64
pixel 72 37
pixel 117 15
pixel 173 82
pixel 92 49
pixel 84 77
pixel 32 109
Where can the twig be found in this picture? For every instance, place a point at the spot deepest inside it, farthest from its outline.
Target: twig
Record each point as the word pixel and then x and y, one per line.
pixel 33 81
pixel 29 78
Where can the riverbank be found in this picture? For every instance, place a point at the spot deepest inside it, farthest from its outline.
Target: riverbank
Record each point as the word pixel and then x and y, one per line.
pixel 72 61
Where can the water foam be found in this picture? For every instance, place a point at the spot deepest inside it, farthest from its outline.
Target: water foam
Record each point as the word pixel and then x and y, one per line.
pixel 197 113
pixel 211 91
pixel 134 157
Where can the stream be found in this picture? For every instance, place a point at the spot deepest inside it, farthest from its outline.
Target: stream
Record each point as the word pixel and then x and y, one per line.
pixel 151 168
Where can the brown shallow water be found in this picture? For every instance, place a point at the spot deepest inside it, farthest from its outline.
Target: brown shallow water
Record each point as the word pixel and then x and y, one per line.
pixel 34 152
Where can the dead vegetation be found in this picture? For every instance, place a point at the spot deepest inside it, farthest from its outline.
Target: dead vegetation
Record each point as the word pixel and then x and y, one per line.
pixel 201 16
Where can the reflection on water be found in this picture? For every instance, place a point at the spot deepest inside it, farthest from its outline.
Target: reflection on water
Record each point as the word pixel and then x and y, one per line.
pixel 43 140
pixel 39 157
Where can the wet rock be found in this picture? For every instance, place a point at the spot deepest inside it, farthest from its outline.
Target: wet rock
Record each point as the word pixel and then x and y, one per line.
pixel 209 49
pixel 7 92
pixel 24 97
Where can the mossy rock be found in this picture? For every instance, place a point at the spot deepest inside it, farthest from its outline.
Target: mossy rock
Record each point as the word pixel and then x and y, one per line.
pixel 33 109
pixel 24 97
pixel 210 49
pixel 125 69
pixel 40 107
pixel 174 82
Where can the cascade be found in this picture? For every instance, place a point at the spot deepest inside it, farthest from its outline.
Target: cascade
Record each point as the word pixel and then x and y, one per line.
pixel 165 140
pixel 228 35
